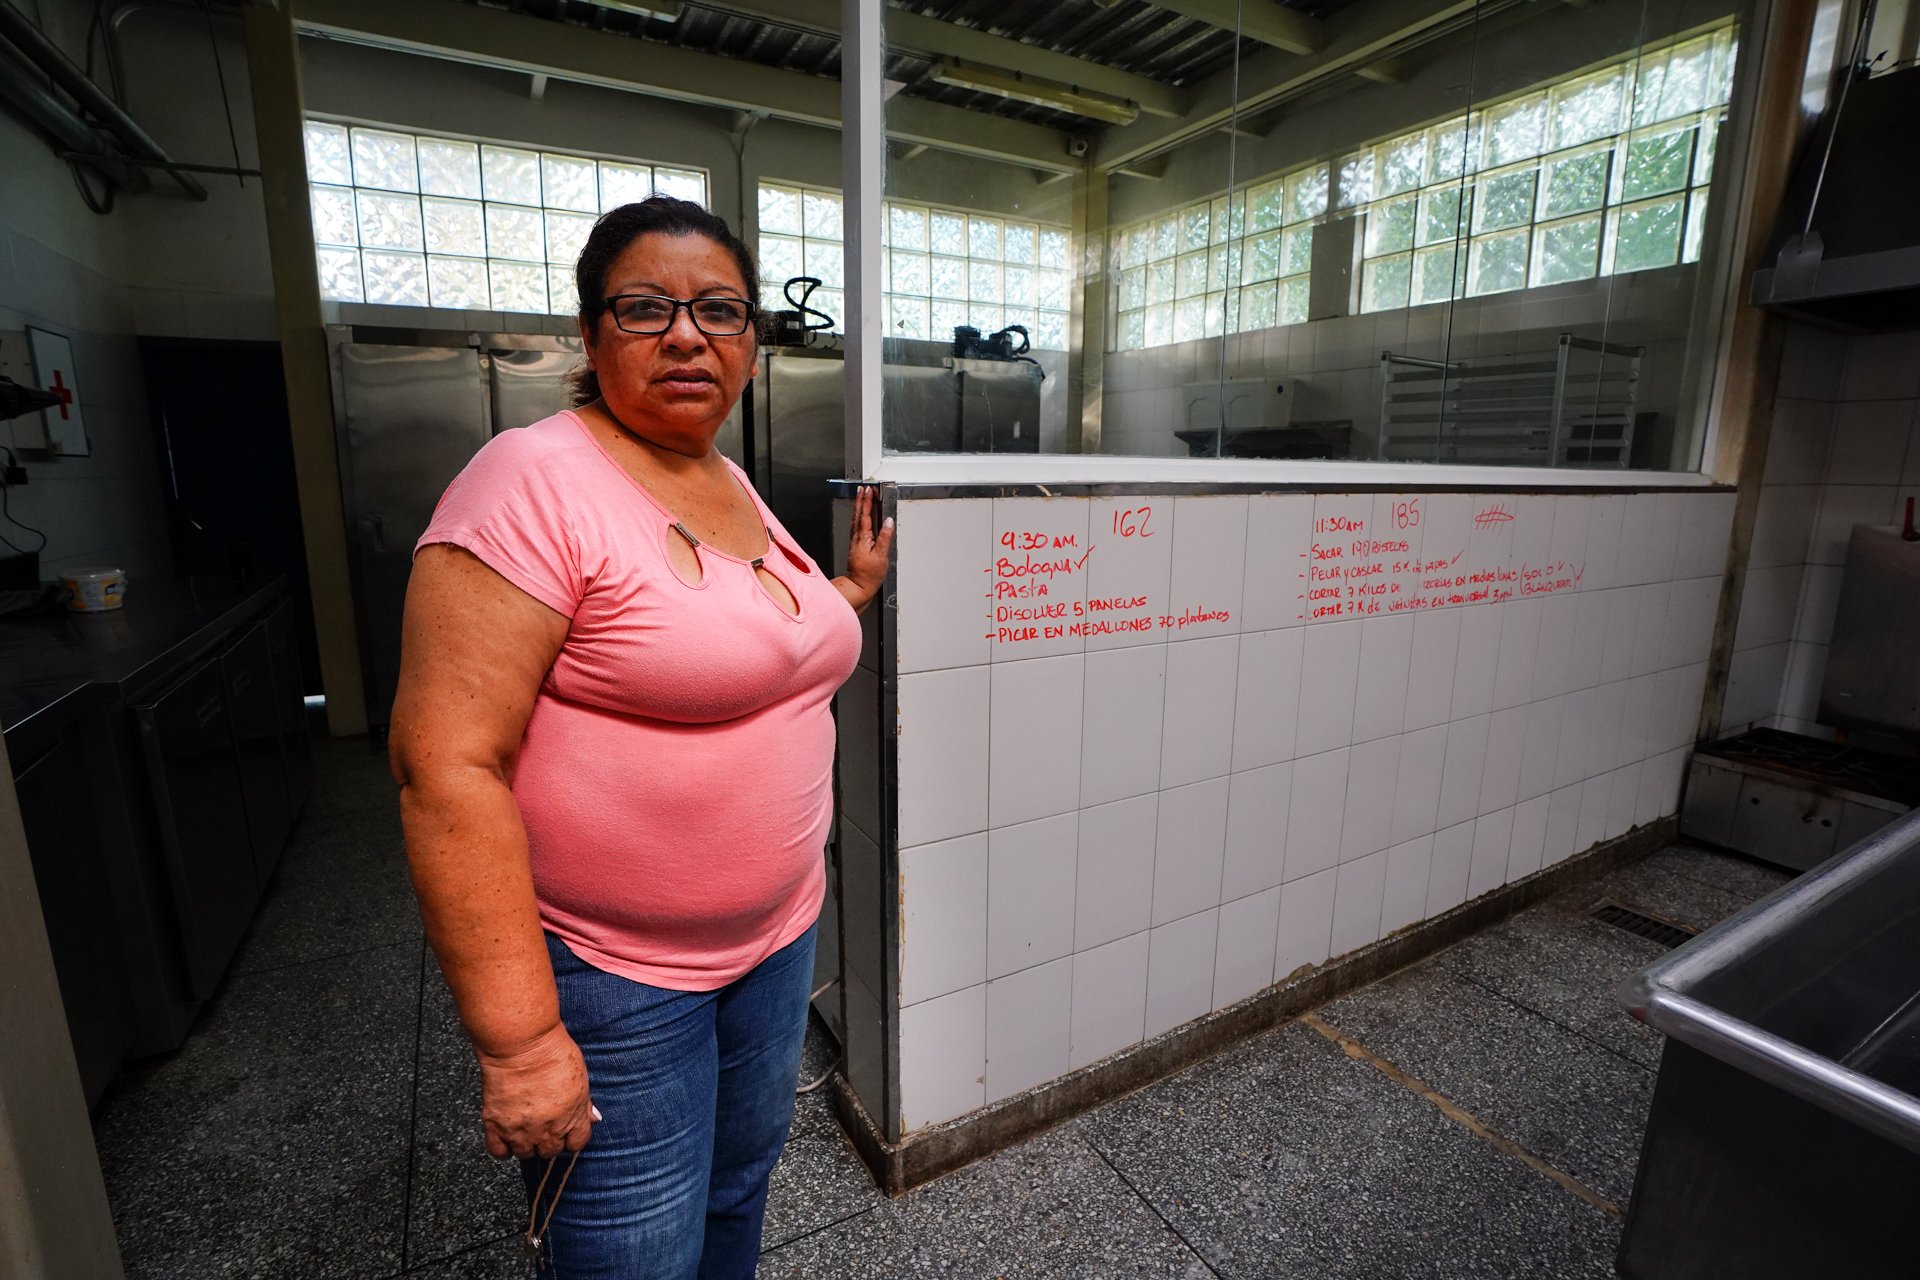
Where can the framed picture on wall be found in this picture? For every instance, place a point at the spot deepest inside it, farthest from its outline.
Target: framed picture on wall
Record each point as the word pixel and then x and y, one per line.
pixel 65 431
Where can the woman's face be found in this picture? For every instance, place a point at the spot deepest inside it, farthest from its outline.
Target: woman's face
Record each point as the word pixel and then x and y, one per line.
pixel 676 387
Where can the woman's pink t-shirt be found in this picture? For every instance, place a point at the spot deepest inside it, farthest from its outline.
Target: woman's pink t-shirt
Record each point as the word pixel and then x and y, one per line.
pixel 676 774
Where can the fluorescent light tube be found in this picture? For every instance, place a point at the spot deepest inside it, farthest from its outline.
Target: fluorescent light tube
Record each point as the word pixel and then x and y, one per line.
pixel 1044 93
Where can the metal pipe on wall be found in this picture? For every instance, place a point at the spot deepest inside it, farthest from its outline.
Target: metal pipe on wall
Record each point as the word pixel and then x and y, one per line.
pixel 49 58
pixel 78 140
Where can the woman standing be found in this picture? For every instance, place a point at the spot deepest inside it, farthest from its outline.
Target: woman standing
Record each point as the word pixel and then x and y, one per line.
pixel 614 743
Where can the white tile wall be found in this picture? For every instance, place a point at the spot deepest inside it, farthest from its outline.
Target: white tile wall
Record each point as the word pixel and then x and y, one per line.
pixel 943 1057
pixel 1243 955
pixel 1101 845
pixel 1180 958
pixel 941 760
pixel 1492 842
pixel 1109 999
pixel 1367 824
pixel 1050 531
pixel 1452 863
pixel 1436 647
pixel 1113 882
pixel 1135 565
pixel 1306 923
pixel 1405 891
pixel 1477 661
pixel 1189 849
pixel 1563 817
pixel 1201 677
pixel 1500 777
pixel 1314 813
pixel 1770 604
pixel 1416 792
pixel 1464 769
pixel 943 908
pixel 1030 893
pixel 1358 892
pixel 1209 563
pixel 1528 849
pixel 1034 732
pixel 1553 669
pixel 1540 748
pixel 1329 670
pixel 945 601
pixel 1029 1018
pixel 1121 725
pixel 1380 694
pixel 1843 449
pixel 1267 697
pixel 1257 803
pixel 1278 529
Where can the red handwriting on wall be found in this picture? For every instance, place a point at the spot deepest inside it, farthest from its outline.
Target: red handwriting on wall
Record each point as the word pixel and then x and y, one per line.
pixel 1550 579
pixel 1033 563
pixel 1493 516
pixel 1031 572
pixel 1351 571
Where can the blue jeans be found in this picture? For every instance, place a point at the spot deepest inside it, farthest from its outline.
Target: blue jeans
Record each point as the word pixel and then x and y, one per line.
pixel 697 1090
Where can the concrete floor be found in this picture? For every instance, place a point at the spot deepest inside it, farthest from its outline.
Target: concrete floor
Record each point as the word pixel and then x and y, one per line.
pixel 1477 1115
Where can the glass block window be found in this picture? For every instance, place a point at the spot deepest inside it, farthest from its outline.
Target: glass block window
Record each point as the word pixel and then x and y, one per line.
pixel 1603 173
pixel 423 221
pixel 943 267
pixel 1228 264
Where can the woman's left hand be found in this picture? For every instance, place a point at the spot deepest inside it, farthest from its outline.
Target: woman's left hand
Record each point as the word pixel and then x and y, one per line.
pixel 869 550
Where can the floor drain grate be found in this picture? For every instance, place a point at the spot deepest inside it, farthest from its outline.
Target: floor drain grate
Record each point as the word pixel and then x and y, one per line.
pixel 1654 930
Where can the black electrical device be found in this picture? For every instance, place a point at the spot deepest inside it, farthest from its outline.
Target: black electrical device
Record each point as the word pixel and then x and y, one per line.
pixel 794 328
pixel 968 344
pixel 20 571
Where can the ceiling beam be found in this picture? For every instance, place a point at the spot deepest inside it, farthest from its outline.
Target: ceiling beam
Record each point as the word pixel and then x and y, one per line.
pixel 1260 20
pixel 915 33
pixel 489 37
pixel 1354 38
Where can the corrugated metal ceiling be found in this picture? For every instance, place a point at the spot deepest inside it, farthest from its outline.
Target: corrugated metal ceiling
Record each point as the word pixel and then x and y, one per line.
pixel 1128 35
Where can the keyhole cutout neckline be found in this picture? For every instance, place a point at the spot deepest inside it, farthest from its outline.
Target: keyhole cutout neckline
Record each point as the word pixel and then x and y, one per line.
pixel 756 564
pixel 765 578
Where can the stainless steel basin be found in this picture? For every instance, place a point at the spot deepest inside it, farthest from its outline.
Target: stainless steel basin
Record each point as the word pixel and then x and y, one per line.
pixel 1784 1136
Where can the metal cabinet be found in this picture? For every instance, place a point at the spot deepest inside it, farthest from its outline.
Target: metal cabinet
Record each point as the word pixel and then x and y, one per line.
pixel 193 778
pixel 247 668
pixel 1783 824
pixel 799 404
pixel 412 417
pixel 57 810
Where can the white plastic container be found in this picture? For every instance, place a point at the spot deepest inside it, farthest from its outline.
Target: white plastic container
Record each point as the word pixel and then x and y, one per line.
pixel 94 590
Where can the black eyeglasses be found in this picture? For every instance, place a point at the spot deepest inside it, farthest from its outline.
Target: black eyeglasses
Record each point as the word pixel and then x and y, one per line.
pixel 647 314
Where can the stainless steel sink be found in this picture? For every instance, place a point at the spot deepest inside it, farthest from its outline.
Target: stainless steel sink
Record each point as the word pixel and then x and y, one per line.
pixel 1784 1135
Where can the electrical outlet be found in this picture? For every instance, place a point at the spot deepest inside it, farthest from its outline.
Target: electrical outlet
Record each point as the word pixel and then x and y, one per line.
pixel 13 474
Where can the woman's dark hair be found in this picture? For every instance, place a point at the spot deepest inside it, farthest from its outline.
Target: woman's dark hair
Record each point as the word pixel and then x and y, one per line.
pixel 618 228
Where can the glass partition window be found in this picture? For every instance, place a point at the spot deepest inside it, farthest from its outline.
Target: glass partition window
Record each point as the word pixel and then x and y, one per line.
pixel 1604 173
pixel 1224 265
pixel 943 267
pixel 417 220
pixel 1494 252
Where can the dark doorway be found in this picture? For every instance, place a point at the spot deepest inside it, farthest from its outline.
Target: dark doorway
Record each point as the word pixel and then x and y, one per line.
pixel 226 449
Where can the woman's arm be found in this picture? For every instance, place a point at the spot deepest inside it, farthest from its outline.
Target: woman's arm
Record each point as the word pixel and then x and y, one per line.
pixel 474 651
pixel 868 551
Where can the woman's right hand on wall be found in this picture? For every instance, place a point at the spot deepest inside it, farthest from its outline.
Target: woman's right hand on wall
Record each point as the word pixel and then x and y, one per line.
pixel 534 1100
